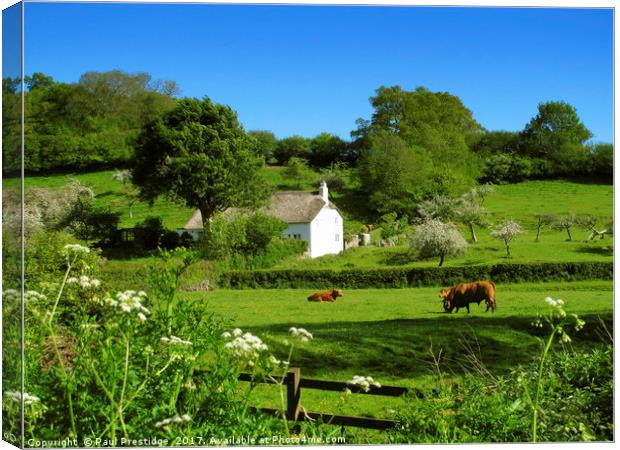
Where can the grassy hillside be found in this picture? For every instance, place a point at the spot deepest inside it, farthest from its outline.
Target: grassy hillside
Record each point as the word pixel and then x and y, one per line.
pixel 520 201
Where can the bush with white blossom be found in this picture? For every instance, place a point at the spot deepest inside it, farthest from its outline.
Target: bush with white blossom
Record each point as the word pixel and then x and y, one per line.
pixel 435 238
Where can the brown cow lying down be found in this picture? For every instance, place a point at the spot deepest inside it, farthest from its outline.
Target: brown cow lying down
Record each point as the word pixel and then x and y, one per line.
pixel 325 296
pixel 463 294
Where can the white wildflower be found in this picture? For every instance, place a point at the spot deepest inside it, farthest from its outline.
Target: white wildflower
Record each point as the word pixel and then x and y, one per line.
pixel 301 333
pixel 16 396
pixel 226 335
pixel 129 301
pixel 364 382
pixel 30 296
pixel 174 419
pixel 245 346
pixel 10 295
pixel 173 340
pixel 550 301
pixel 75 249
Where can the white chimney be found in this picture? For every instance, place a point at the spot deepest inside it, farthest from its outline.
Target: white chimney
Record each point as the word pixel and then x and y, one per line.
pixel 323 191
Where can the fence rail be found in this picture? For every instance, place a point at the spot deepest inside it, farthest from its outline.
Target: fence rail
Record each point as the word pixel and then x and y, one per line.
pixel 294 384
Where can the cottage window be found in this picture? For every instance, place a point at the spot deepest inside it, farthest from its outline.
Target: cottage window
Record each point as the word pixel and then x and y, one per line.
pixel 337 238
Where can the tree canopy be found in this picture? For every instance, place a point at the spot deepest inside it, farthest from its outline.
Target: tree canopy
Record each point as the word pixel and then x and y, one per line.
pixel 91 123
pixel 433 126
pixel 199 153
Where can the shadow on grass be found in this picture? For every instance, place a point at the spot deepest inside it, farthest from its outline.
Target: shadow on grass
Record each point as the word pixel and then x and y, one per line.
pixel 602 251
pixel 397 259
pixel 402 347
pixel 110 194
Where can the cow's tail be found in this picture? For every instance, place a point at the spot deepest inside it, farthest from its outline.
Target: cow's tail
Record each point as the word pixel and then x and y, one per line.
pixel 492 284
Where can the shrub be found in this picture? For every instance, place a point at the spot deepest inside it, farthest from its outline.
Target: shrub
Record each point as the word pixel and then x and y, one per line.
pixel 148 233
pixel 415 277
pixel 435 238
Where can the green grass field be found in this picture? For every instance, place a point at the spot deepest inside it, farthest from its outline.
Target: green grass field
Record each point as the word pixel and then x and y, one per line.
pixel 389 333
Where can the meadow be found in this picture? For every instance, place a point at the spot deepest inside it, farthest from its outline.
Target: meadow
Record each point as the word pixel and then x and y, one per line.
pixel 394 335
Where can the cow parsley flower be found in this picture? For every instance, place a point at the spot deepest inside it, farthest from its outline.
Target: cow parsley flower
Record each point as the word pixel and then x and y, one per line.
pixel 173 340
pixel 364 382
pixel 173 420
pixel 10 295
pixel 128 302
pixel 16 396
pixel 30 296
pixel 300 333
pixel 245 346
pixel 75 249
pixel 84 282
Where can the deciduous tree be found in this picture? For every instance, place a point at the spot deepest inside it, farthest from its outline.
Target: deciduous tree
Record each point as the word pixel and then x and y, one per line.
pixel 199 153
pixel 506 232
pixel 436 238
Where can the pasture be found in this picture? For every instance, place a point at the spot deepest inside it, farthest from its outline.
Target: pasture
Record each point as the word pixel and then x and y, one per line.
pixel 390 333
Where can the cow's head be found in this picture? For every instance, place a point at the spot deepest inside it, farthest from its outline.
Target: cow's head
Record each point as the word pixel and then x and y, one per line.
pixel 446 299
pixel 337 293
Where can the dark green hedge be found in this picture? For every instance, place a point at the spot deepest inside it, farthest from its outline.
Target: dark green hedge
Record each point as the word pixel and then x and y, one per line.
pixel 414 277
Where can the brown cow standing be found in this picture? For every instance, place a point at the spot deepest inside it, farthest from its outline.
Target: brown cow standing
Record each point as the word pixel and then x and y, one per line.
pixel 463 294
pixel 325 296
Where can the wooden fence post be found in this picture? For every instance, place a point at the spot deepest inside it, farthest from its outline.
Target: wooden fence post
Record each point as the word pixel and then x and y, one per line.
pixel 293 392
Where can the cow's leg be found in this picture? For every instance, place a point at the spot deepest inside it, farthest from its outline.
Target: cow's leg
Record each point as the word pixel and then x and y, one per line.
pixel 467 308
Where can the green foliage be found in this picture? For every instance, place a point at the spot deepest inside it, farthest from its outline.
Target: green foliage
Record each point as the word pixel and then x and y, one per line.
pixel 555 132
pixel 326 149
pixel 334 176
pixel 198 153
pixel 506 168
pixel 297 171
pixel 391 226
pixel 294 146
pixel 266 143
pixel 393 175
pixel 415 277
pixel 82 125
pixel 436 123
pixel 249 241
pixel 148 233
pixel 602 160
pixel 111 366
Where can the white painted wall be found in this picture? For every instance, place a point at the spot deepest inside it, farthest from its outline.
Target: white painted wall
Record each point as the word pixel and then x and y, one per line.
pixel 327 232
pixel 299 231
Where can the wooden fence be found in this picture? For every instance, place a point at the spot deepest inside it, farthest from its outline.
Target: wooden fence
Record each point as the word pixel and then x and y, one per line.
pixel 294 384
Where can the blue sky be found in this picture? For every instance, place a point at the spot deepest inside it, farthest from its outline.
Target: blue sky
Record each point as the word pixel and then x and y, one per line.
pixel 308 69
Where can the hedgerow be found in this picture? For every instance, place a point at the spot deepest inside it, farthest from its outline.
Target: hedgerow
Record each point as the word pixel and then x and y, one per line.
pixel 416 277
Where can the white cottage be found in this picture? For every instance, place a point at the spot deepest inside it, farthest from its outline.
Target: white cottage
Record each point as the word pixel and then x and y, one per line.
pixel 309 214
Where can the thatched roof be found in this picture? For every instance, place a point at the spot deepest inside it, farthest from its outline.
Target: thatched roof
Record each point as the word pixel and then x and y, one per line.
pixel 289 206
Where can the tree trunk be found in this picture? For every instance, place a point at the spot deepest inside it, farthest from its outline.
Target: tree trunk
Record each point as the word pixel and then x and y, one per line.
pixel 538 232
pixel 474 239
pixel 508 250
pixel 441 259
pixel 570 238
